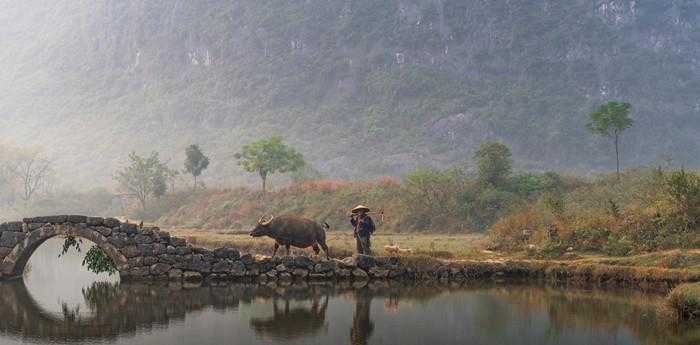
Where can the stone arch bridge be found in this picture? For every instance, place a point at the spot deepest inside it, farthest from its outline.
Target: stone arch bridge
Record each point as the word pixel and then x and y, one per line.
pixel 137 252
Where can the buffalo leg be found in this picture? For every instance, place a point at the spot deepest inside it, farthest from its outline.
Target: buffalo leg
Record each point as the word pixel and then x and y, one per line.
pixel 315 248
pixel 325 250
pixel 277 246
pixel 287 247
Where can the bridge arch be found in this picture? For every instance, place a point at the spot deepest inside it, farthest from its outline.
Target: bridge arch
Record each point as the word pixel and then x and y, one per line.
pixel 138 252
pixel 15 261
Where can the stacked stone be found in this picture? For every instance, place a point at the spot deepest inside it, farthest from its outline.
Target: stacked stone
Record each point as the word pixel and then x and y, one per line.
pixel 10 235
pixel 147 253
pixel 288 268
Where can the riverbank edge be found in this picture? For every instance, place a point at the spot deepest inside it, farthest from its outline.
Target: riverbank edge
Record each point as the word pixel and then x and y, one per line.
pixel 147 253
pixel 684 300
pixel 418 268
pixel 682 285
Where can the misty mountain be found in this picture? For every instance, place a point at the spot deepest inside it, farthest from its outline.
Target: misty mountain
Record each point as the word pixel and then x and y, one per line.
pixel 362 87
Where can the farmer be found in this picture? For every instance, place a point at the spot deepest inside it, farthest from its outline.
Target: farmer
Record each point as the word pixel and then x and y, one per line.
pixel 364 228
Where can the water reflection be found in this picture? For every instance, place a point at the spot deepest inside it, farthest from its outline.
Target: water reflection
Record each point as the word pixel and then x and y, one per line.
pixel 378 313
pixel 362 325
pixel 292 322
pixel 57 283
pixel 488 315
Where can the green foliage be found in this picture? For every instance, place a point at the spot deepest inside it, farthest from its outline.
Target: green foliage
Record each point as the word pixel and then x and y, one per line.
pixel 196 162
pixel 618 246
pixel 495 192
pixel 554 203
pixel 645 210
pixel 482 206
pixel 590 239
pixel 684 189
pixel 433 196
pixel 97 261
pixel 269 156
pixel 684 300
pixel 70 242
pixel 609 120
pixel 552 249
pixel 144 178
pixel 493 162
pixel 530 184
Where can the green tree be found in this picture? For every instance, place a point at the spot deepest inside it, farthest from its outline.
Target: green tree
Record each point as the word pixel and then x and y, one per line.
pixel 196 162
pixel 433 195
pixel 609 120
pixel 269 156
pixel 144 178
pixel 493 163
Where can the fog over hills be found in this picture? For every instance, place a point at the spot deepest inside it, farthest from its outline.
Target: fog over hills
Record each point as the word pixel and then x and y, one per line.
pixel 362 87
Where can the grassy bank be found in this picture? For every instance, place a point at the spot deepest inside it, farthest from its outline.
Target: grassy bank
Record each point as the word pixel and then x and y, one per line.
pixel 685 301
pixel 546 215
pixel 432 252
pixel 342 244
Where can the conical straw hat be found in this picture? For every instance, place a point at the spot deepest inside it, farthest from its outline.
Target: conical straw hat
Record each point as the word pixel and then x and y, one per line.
pixel 359 208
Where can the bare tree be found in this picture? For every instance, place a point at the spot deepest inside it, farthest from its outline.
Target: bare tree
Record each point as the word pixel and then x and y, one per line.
pixel 32 172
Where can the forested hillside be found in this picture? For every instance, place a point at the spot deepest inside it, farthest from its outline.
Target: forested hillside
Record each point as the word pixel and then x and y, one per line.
pixel 397 83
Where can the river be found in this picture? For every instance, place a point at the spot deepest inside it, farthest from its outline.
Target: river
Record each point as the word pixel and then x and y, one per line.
pixel 59 302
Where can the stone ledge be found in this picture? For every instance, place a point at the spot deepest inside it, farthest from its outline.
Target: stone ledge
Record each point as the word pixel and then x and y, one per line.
pixel 147 253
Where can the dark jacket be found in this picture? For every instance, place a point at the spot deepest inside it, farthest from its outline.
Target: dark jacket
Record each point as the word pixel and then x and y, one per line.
pixel 363 226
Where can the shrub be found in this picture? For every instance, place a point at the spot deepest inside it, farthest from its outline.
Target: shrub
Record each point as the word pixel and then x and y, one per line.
pixel 684 189
pixel 685 301
pixel 512 231
pixel 552 249
pixel 590 239
pixel 618 246
pixel 483 206
pixel 432 196
pixel 675 260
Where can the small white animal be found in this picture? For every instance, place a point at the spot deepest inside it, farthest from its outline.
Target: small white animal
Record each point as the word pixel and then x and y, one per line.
pixel 395 249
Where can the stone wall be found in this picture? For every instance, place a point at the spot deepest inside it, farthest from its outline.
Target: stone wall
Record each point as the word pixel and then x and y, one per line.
pixel 147 253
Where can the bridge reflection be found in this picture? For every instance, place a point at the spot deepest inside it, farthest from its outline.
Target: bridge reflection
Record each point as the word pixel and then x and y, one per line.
pixel 116 311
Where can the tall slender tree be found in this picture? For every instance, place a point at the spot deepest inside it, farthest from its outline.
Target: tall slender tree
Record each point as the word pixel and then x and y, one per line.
pixel 610 120
pixel 196 162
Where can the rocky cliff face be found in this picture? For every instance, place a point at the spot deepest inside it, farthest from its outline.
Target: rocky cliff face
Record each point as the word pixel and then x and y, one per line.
pixel 423 81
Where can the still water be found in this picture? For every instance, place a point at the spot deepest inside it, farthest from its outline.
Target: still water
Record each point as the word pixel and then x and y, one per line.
pixel 58 302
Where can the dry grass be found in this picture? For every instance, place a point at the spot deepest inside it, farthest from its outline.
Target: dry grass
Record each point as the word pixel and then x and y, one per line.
pixel 659 270
pixel 685 301
pixel 442 246
pixel 667 259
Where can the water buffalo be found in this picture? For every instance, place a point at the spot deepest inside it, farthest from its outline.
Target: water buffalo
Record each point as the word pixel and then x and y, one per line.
pixel 293 231
pixel 292 322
